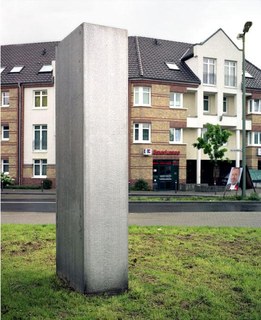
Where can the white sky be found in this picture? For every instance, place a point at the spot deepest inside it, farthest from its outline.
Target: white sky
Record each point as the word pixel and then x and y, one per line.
pixel 193 21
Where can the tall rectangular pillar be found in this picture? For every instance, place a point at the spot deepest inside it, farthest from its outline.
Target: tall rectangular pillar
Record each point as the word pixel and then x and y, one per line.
pixel 92 159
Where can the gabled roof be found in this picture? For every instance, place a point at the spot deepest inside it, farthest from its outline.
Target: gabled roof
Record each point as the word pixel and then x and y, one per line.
pixel 148 58
pixel 32 56
pixel 255 72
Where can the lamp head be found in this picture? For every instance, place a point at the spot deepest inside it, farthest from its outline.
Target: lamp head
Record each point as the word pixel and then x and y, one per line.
pixel 247 26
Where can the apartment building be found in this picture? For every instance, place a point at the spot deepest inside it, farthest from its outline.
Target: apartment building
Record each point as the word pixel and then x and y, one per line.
pixel 175 89
pixel 28 112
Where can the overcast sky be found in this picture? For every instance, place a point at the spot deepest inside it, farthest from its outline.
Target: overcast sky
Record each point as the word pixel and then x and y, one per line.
pixel 192 21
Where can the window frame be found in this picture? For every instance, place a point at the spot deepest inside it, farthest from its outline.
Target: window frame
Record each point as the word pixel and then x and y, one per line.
pixel 173 132
pixel 209 63
pixel 140 127
pixel 138 96
pixel 175 100
pixel 41 163
pixel 254 138
pixel 41 96
pixel 41 130
pixel 230 65
pixel 3 98
pixel 3 131
pixel 5 162
pixel 251 106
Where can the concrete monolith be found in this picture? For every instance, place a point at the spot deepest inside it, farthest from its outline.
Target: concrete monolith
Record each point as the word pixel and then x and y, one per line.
pixel 92 159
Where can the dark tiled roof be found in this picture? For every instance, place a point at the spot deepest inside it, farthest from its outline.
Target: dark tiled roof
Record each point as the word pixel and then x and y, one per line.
pixel 32 56
pixel 255 82
pixel 148 57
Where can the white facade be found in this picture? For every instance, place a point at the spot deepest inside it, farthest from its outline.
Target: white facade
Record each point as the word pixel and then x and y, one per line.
pixel 223 102
pixel 39 116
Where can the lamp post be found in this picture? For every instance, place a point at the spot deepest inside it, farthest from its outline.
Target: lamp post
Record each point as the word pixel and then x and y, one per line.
pixel 242 36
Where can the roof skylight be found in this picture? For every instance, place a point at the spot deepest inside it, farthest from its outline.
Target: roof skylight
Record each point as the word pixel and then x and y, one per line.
pixel 172 65
pixel 248 75
pixel 2 69
pixel 16 69
pixel 46 68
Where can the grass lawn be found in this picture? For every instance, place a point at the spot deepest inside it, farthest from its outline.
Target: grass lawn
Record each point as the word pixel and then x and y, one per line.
pixel 174 273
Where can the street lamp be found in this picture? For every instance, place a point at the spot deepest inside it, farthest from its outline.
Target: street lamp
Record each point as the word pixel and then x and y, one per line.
pixel 242 36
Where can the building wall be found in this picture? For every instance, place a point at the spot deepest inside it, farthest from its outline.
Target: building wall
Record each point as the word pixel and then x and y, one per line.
pixel 38 116
pixel 9 116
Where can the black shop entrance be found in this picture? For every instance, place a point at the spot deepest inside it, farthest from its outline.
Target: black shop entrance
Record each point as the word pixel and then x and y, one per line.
pixel 165 174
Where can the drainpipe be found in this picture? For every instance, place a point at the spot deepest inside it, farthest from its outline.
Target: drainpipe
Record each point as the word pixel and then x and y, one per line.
pixel 19 133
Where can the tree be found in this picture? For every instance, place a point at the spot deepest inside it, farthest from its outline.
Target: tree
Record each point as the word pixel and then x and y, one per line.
pixel 212 144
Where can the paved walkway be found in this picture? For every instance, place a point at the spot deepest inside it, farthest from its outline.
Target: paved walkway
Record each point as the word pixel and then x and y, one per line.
pixel 212 219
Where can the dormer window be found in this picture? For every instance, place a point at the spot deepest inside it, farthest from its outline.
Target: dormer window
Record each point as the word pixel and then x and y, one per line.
pixel 17 69
pixel 172 65
pixel 46 68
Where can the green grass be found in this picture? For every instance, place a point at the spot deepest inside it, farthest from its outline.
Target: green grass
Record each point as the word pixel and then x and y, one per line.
pixel 174 273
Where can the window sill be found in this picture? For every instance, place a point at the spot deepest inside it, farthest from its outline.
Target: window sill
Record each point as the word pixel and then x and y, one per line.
pixel 39 177
pixel 141 142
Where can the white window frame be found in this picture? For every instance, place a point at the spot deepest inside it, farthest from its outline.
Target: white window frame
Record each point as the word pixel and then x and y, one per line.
pixel 5 129
pixel 209 71
pixel 230 73
pixel 42 128
pixel 4 163
pixel 206 99
pixel 42 93
pixel 225 104
pixel 139 93
pixel 5 96
pixel 254 138
pixel 16 69
pixel 176 100
pixel 177 134
pixel 254 106
pixel 41 163
pixel 138 132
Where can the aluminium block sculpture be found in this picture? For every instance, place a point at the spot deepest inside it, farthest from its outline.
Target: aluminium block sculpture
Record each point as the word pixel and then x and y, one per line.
pixel 92 159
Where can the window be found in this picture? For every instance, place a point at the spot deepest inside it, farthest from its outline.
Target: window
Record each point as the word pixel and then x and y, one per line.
pixel 40 99
pixel 141 132
pixel 40 138
pixel 5 166
pixel 5 99
pixel 40 167
pixel 17 69
pixel 206 104
pixel 2 69
pixel 175 135
pixel 172 65
pixel 230 73
pixel 46 68
pixel 176 100
pixel 225 104
pixel 254 106
pixel 254 138
pixel 209 71
pixel 142 96
pixel 5 132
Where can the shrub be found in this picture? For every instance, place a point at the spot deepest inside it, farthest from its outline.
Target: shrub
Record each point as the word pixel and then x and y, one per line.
pixel 6 180
pixel 47 184
pixel 254 196
pixel 141 185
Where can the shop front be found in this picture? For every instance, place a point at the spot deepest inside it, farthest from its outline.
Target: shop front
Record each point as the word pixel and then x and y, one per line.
pixel 165 174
